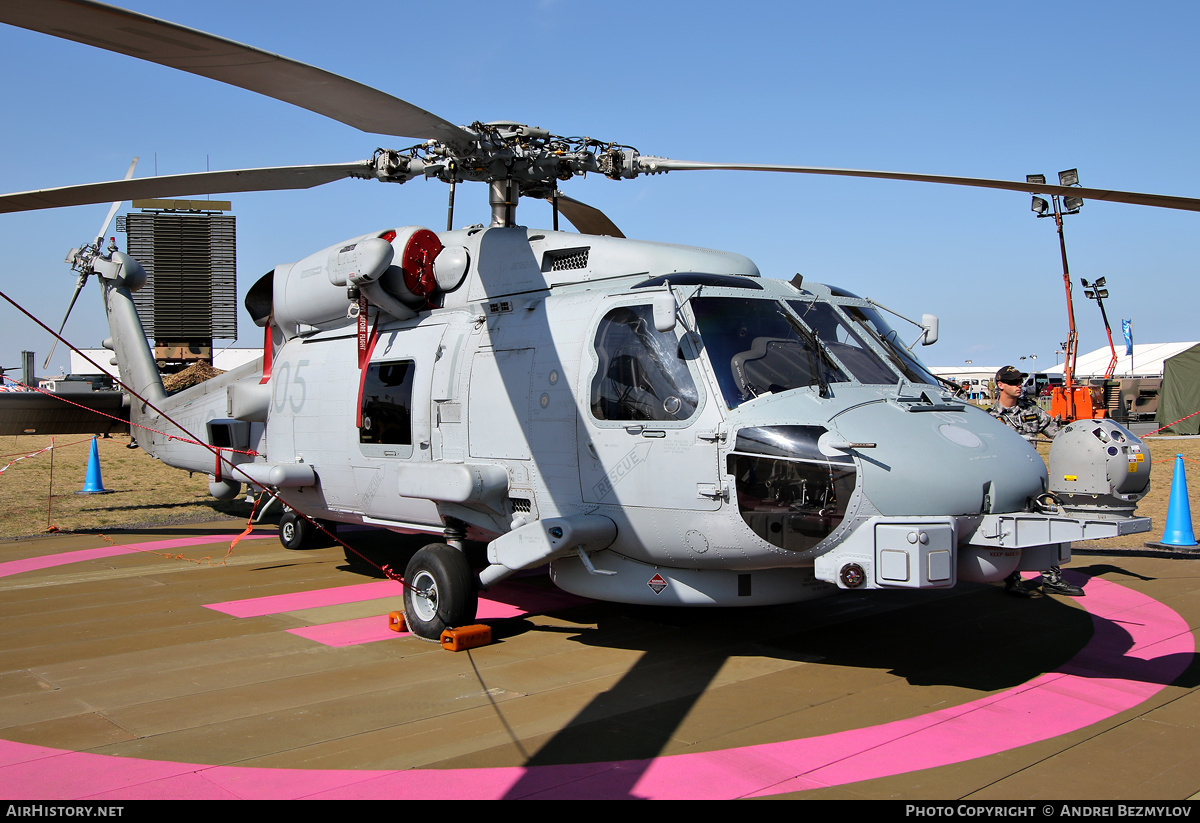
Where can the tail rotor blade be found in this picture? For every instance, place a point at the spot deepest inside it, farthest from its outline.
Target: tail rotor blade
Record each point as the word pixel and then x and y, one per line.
pixel 82 279
pixel 78 288
pixel 115 206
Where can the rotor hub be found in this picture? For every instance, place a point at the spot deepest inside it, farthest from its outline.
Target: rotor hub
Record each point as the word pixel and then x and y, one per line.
pixel 532 157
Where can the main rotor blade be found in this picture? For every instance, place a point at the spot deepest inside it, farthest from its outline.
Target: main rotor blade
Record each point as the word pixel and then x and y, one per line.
pixel 205 182
pixel 227 61
pixel 1164 201
pixel 588 219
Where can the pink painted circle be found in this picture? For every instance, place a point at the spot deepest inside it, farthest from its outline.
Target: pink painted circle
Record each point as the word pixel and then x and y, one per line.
pixel 1139 647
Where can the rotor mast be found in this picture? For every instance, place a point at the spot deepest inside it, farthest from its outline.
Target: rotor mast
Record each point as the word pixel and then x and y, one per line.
pixel 502 197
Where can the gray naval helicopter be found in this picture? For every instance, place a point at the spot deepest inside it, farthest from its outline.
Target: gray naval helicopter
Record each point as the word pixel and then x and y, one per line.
pixel 660 424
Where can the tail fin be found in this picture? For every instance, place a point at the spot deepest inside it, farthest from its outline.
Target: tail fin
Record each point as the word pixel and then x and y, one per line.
pixel 121 275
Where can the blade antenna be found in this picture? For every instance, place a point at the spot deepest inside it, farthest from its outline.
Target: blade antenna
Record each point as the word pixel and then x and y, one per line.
pixel 554 203
pixel 450 205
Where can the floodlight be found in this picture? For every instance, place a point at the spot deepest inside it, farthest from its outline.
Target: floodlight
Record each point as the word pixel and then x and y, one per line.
pixel 1040 206
pixel 1098 284
pixel 1102 293
pixel 1089 294
pixel 1039 179
pixel 1070 177
pixel 1072 203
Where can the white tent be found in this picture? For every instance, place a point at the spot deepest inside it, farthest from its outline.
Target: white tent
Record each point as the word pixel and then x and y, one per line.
pixel 1147 360
pixel 957 374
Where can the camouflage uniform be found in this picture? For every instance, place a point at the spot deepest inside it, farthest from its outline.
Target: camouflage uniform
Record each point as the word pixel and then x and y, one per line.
pixel 1027 418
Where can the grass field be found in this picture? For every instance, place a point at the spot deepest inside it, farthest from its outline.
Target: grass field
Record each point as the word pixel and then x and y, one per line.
pixel 145 492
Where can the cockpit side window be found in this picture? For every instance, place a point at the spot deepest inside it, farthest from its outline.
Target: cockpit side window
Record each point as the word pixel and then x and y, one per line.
pixel 641 374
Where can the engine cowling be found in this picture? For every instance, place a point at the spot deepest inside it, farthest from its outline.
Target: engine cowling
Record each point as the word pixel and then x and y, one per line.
pixel 394 269
pixel 314 291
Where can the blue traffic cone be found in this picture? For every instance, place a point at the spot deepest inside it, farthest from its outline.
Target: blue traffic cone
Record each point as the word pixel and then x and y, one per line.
pixel 1178 532
pixel 93 484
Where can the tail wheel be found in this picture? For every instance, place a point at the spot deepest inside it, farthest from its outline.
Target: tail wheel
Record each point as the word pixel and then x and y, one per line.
pixel 441 592
pixel 295 532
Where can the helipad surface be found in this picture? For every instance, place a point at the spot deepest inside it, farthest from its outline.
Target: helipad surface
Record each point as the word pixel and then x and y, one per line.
pixel 127 671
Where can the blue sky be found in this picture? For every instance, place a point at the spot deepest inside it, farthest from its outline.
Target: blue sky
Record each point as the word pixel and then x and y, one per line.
pixel 984 90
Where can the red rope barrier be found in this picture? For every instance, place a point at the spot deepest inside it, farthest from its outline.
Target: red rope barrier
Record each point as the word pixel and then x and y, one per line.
pixel 191 439
pixel 187 440
pixel 1169 425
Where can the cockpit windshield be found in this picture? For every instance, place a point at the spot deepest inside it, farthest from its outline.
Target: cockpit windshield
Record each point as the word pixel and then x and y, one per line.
pixel 872 323
pixel 844 342
pixel 756 348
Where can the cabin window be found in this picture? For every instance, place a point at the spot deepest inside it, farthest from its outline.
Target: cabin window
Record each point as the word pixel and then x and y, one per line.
pixel 386 409
pixel 641 372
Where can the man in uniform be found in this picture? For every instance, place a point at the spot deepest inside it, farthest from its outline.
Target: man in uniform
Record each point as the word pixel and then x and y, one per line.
pixel 1018 411
pixel 1029 420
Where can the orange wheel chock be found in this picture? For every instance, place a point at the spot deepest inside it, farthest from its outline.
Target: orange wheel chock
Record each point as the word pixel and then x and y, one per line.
pixel 466 637
pixel 396 622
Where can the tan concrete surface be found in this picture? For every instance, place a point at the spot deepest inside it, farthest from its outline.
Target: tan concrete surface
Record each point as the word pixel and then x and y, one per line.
pixel 119 656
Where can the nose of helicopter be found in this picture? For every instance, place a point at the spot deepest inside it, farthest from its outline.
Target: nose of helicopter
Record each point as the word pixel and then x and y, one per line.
pixel 930 462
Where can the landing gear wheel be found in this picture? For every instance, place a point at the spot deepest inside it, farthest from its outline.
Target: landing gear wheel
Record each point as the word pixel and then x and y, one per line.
pixel 441 591
pixel 295 532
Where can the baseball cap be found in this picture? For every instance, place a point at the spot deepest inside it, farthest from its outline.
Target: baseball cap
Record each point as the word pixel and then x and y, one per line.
pixel 1010 374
